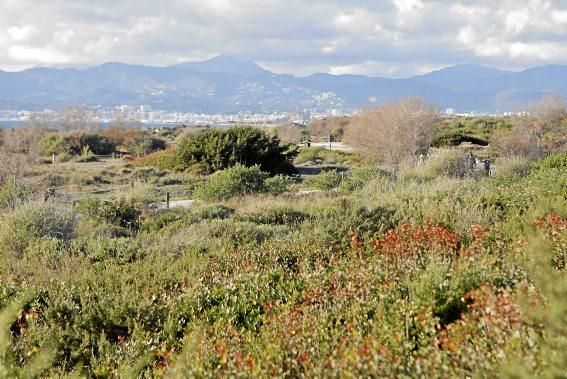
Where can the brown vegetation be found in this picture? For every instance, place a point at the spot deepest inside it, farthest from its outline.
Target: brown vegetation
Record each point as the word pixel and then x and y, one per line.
pixel 540 130
pixel 394 132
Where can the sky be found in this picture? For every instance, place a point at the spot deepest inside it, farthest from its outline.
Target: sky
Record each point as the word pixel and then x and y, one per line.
pixel 391 38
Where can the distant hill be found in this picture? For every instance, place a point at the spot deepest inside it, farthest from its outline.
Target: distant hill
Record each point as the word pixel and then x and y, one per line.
pixel 227 84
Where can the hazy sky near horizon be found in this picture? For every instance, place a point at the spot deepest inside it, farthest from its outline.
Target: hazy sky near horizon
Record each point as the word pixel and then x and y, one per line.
pixel 393 38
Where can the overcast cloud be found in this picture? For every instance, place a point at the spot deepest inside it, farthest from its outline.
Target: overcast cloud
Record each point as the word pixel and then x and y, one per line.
pixel 393 38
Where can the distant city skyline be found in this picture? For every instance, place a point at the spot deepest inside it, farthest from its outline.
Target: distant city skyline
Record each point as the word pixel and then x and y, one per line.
pixel 394 38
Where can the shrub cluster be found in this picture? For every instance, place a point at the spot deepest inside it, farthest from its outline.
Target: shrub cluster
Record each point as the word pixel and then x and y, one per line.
pixel 449 277
pixel 238 180
pixel 247 146
pixel 75 143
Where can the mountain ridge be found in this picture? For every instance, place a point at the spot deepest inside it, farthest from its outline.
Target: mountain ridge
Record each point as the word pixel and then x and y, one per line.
pixel 227 84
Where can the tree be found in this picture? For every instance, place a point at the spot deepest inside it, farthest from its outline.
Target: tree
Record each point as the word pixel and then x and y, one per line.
pixel 394 132
pixel 221 149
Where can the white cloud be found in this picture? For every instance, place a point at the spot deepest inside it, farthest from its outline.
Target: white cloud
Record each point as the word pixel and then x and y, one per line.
pixel 37 55
pixel 405 6
pixel 517 21
pixel 395 37
pixel 22 33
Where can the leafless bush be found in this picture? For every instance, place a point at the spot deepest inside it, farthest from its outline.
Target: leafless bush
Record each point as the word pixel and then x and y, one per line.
pixel 70 118
pixel 542 128
pixel 16 152
pixel 290 133
pixel 394 131
pixel 333 126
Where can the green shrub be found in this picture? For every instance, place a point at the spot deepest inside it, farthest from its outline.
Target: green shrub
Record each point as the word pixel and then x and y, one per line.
pixel 516 166
pixel 122 212
pixel 455 139
pixel 216 211
pixel 553 161
pixel 21 227
pixel 121 250
pixel 279 215
pixel 170 181
pixel 164 160
pixel 279 184
pixel 320 155
pixel 156 221
pixel 326 180
pixel 235 181
pixel 75 143
pixel 247 146
pixel 47 250
pixel 448 163
pixel 13 195
pixel 358 178
pixel 147 173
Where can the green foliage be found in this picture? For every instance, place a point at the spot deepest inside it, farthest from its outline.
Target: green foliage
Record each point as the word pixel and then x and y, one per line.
pixel 21 227
pixel 448 163
pixel 320 155
pixel 120 250
pixel 13 195
pixel 278 215
pixel 554 161
pixel 276 185
pixel 75 143
pixel 122 212
pixel 247 146
pixel 217 211
pixel 359 177
pixel 238 180
pixel 482 128
pixel 455 139
pixel 326 180
pixel 449 277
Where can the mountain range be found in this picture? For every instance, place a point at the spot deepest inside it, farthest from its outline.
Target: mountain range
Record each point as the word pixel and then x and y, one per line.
pixel 226 84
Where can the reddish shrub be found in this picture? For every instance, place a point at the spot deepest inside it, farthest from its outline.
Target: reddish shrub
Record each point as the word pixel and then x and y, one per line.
pixel 412 240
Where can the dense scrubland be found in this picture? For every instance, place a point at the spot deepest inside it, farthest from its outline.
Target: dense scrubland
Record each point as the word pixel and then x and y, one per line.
pixel 294 262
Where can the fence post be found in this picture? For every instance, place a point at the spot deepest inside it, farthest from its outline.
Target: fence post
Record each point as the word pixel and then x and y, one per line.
pixel 167 200
pixel 53 159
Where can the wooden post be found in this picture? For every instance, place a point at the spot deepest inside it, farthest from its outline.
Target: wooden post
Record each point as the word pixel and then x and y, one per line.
pixel 167 200
pixel 53 159
pixel 330 143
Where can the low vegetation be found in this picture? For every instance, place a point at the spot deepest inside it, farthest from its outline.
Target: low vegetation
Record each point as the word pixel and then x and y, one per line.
pixel 355 267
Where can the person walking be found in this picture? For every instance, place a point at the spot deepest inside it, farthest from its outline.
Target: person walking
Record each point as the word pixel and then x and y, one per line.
pixel 471 162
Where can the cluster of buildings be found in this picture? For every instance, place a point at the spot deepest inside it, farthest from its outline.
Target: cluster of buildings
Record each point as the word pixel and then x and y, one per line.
pixel 145 114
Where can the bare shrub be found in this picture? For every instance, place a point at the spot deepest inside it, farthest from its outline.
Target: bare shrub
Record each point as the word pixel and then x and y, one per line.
pixel 70 118
pixel 290 133
pixel 333 126
pixel 394 132
pixel 16 152
pixel 539 130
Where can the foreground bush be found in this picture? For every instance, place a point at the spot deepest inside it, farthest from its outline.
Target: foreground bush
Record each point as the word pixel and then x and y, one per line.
pixel 326 180
pixel 235 181
pixel 21 227
pixel 444 278
pixel 122 212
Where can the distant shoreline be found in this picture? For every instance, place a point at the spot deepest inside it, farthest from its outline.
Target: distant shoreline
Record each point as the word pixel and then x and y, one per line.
pixel 18 123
